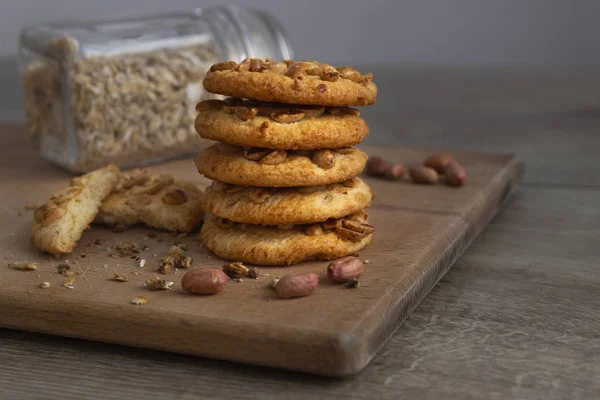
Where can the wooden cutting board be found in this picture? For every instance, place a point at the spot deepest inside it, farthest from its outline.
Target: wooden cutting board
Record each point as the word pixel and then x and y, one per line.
pixel 421 231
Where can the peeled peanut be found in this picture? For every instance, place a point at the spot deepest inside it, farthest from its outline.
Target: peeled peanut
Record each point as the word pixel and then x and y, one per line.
pixel 455 174
pixel 345 269
pixel 376 166
pixel 324 159
pixel 204 281
pixel 394 172
pixel 175 197
pixel 275 157
pixel 223 66
pixel 438 161
pixel 296 285
pixel 313 230
pixel 422 174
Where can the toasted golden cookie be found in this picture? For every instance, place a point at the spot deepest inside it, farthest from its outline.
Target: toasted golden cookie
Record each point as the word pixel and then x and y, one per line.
pixel 278 126
pixel 158 201
pixel 278 168
pixel 59 223
pixel 301 205
pixel 302 82
pixel 271 245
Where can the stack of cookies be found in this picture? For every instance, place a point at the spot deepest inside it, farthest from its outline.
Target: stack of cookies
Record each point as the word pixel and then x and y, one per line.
pixel 285 186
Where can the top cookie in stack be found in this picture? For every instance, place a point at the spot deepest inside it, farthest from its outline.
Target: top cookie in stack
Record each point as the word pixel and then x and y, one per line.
pixel 285 184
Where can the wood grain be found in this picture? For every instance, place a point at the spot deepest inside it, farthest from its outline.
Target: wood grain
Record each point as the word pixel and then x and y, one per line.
pixel 421 232
pixel 496 327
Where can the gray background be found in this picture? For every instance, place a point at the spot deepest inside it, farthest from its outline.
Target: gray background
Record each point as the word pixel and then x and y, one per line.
pixel 439 32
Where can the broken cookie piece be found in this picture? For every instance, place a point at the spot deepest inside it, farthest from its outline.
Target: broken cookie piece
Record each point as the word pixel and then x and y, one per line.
pixel 158 201
pixel 59 224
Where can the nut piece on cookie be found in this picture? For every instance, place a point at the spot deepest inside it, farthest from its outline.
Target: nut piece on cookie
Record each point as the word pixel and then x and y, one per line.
pixel 158 201
pixel 59 223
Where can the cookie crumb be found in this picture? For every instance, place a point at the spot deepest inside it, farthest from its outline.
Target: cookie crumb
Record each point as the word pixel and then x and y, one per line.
pixel 64 269
pixel 142 262
pixel 366 261
pixel 183 235
pixel 158 284
pixel 45 285
pixel 174 260
pixel 126 249
pixel 235 270
pixel 119 278
pixel 238 280
pixel 140 300
pixel 68 283
pixel 253 273
pixel 23 266
pixel 273 282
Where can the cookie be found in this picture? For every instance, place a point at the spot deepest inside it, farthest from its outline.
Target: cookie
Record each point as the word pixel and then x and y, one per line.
pixel 302 82
pixel 279 168
pixel 158 201
pixel 279 126
pixel 301 205
pixel 59 224
pixel 272 245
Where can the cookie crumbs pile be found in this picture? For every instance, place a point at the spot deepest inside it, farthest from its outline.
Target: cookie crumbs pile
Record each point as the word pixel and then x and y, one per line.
pixel 285 186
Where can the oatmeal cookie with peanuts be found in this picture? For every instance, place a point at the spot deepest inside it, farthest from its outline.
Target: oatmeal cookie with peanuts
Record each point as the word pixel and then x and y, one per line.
pixel 158 201
pixel 292 82
pixel 301 205
pixel 286 245
pixel 59 224
pixel 279 168
pixel 253 123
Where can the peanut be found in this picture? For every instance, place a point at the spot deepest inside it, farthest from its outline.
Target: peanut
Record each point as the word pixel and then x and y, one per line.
pixel 175 197
pixel 324 159
pixel 376 166
pixel 204 281
pixel 311 112
pixel 345 269
pixel 394 172
pixel 223 66
pixel 455 174
pixel 438 161
pixel 422 174
pixel 246 113
pixel 296 285
pixel 275 157
pixel 255 153
pixel 313 230
pixel 287 117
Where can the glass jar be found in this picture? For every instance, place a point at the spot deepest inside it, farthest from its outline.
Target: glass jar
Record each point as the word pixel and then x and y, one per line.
pixel 125 91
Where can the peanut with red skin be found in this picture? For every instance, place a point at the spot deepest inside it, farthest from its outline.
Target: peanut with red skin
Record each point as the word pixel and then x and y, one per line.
pixel 455 174
pixel 296 285
pixel 345 269
pixel 204 281
pixel 438 161
pixel 422 174
pixel 395 172
pixel 376 166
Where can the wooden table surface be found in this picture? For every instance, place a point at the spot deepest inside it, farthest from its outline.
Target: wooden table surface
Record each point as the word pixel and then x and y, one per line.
pixel 518 316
